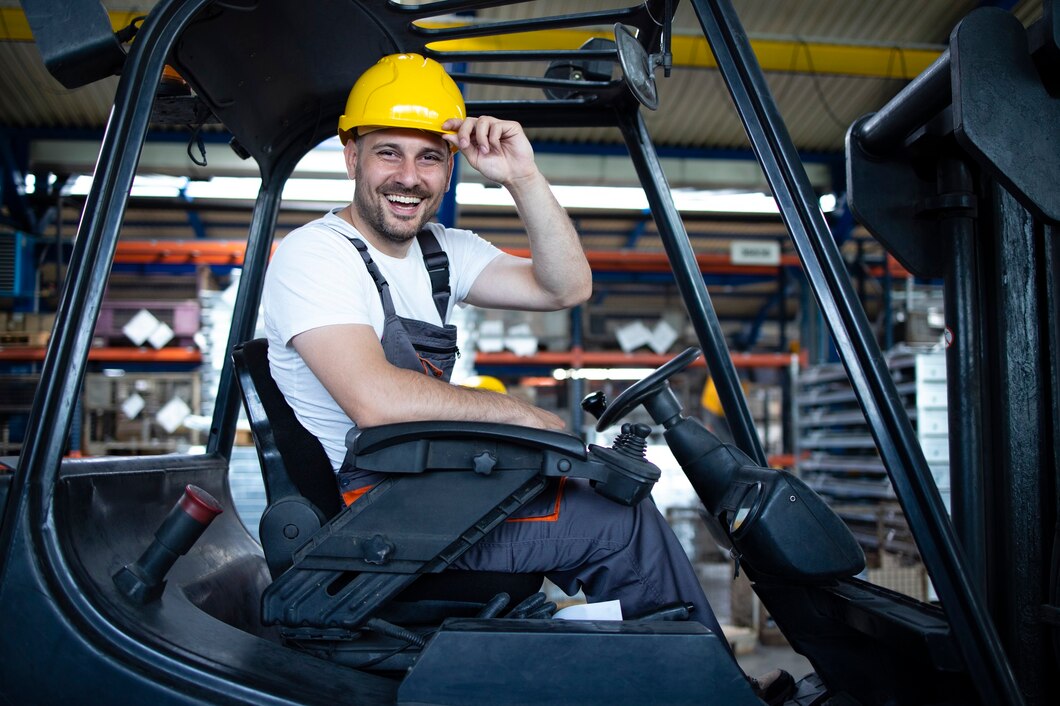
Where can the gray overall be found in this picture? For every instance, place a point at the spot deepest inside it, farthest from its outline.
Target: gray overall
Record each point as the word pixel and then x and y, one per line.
pixel 576 537
pixel 410 343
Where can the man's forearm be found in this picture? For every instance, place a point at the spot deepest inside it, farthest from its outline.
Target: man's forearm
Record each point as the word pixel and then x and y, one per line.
pixel 559 263
pixel 349 362
pixel 407 396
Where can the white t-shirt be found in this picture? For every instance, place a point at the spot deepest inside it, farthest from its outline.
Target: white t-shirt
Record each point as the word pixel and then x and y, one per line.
pixel 317 278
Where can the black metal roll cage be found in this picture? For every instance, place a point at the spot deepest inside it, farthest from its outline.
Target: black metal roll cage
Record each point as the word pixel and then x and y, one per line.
pixel 167 35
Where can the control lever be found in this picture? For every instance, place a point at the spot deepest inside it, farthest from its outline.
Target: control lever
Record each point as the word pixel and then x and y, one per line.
pixel 143 581
pixel 633 441
pixel 630 475
pixel 595 403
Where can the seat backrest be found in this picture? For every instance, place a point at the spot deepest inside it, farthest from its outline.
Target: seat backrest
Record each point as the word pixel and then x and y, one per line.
pixel 293 463
pixel 295 466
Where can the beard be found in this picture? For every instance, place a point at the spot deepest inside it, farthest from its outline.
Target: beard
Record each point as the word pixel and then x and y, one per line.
pixel 395 229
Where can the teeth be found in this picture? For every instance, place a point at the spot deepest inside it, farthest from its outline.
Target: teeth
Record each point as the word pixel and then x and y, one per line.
pixel 411 200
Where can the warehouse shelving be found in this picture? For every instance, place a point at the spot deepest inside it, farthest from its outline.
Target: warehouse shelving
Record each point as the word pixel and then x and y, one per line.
pixel 218 252
pixel 180 256
pixel 837 455
pixel 576 358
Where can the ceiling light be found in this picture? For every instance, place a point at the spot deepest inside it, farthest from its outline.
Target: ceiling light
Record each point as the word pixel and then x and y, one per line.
pixel 339 191
pixel 602 373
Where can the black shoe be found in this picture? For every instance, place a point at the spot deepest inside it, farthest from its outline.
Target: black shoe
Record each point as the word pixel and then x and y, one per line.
pixel 774 688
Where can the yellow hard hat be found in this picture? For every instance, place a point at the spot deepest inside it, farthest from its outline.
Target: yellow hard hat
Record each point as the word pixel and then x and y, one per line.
pixel 710 399
pixel 485 382
pixel 402 90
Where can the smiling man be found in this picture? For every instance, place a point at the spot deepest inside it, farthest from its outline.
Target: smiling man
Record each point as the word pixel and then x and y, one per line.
pixel 352 313
pixel 355 309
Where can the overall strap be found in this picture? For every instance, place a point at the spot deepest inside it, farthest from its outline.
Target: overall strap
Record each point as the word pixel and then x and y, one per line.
pixel 377 276
pixel 434 259
pixel 437 263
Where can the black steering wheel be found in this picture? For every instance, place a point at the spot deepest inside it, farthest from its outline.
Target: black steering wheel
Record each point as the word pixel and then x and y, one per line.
pixel 642 390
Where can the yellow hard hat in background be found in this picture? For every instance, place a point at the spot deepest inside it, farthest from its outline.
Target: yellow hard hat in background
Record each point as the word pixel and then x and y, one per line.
pixel 710 400
pixel 485 382
pixel 402 90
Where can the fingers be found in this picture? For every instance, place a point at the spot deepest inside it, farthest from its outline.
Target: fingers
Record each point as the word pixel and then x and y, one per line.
pixel 485 133
pixel 488 134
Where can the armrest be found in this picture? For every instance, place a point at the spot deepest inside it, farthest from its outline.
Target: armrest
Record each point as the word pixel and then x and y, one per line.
pixel 417 436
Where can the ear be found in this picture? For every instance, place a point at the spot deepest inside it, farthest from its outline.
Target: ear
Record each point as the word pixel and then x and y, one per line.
pixel 349 152
pixel 452 165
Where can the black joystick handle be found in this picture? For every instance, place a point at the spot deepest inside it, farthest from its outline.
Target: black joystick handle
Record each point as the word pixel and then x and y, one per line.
pixel 595 403
pixel 144 581
pixel 633 441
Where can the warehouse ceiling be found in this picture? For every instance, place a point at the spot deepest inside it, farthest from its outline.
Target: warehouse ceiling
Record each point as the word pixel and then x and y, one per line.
pixel 826 61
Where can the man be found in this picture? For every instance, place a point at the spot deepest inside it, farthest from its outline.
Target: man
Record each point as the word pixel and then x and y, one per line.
pixel 356 334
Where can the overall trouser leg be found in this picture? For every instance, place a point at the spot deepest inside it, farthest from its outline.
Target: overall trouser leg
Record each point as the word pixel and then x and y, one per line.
pixel 610 551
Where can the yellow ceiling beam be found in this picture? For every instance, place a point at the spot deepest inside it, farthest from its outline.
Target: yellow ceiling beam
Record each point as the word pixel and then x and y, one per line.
pixel 774 55
pixel 688 51
pixel 15 28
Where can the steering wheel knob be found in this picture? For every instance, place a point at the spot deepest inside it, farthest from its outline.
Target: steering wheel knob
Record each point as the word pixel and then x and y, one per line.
pixel 595 403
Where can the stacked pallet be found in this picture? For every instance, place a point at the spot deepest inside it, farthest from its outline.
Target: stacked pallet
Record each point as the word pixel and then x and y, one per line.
pixel 25 329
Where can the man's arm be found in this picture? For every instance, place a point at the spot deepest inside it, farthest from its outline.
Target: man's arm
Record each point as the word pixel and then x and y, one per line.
pixel 349 361
pixel 557 275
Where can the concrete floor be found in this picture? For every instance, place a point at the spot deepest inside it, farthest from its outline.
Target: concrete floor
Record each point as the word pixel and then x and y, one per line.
pixel 754 657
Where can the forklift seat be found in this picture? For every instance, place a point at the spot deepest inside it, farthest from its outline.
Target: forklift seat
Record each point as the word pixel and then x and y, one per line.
pixel 298 477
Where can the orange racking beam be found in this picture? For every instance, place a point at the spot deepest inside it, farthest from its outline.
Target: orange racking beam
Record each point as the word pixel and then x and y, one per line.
pixel 112 355
pixel 610 359
pixel 230 252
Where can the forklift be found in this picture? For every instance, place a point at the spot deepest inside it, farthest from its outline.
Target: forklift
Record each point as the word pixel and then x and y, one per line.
pixel 125 579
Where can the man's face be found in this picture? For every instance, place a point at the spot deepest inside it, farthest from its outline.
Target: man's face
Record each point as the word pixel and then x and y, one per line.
pixel 401 176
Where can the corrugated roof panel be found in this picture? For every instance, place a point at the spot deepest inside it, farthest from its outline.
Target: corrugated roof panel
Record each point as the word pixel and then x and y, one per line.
pixel 34 98
pixel 696 110
pixel 818 110
pixel 905 21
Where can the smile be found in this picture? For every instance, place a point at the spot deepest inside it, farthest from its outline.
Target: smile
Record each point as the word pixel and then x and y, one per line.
pixel 406 200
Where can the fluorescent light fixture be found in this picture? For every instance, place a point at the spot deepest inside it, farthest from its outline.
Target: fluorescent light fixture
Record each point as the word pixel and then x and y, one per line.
pixel 610 198
pixel 629 198
pixel 232 188
pixel 337 191
pixel 325 158
pixel 79 186
pixel 724 202
pixel 228 188
pixel 602 373
pixel 147 186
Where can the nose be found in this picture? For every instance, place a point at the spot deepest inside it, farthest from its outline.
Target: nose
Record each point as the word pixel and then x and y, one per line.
pixel 407 174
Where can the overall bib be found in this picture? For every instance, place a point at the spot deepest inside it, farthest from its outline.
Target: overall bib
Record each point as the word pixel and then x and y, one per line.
pixel 410 343
pixel 579 539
